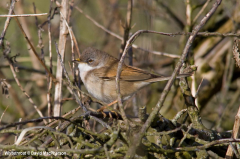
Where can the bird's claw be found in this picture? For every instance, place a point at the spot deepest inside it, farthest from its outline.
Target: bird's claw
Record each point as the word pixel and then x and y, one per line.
pixel 101 111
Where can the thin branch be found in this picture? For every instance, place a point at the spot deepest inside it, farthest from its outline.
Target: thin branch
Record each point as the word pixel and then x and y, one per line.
pixel 208 34
pixel 120 64
pixel 188 15
pixel 127 26
pixel 7 22
pixel 157 52
pixel 24 15
pixel 3 114
pixel 40 41
pixel 50 17
pixel 99 25
pixel 172 34
pixel 24 131
pixel 49 94
pixel 20 86
pixel 72 45
pixel 76 71
pixel 200 12
pixel 236 53
pixel 119 37
pixel 198 89
pixel 235 133
pixel 33 121
pixel 132 149
pixel 185 135
pixel 69 81
pixel 62 45
pixel 165 132
pixel 178 116
pixel 75 42
pixel 34 51
pixel 28 69
pixel 171 14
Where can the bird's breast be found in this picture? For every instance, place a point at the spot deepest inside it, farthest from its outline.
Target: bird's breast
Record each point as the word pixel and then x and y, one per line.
pixel 96 86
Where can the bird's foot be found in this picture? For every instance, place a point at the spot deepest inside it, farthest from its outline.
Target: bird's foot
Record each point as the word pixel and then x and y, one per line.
pixel 105 107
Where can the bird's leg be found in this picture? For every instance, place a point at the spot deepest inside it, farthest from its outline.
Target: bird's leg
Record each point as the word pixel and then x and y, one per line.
pixel 105 107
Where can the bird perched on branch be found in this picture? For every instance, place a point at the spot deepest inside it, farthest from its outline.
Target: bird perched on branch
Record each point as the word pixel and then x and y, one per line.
pixel 98 72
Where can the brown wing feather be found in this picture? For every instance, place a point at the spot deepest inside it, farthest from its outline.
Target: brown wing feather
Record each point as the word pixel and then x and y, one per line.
pixel 135 74
pixel 129 73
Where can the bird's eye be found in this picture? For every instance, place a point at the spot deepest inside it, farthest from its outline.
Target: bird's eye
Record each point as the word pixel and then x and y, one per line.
pixel 90 60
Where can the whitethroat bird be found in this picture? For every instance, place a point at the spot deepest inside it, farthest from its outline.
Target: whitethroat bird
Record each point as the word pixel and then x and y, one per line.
pixel 98 72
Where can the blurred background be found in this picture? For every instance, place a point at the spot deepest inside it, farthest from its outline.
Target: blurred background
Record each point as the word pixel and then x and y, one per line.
pixel 218 97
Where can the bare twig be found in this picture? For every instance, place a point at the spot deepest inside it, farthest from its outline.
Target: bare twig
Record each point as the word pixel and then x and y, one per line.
pixel 200 12
pixel 236 53
pixel 120 64
pixel 177 116
pixel 172 34
pixel 50 17
pixel 20 86
pixel 132 149
pixel 40 41
pixel 34 51
pixel 157 52
pixel 235 133
pixel 72 44
pixel 62 44
pixel 19 105
pixel 7 22
pixel 104 124
pixel 35 11
pixel 3 114
pixel 199 86
pixel 32 121
pixel 106 151
pixel 237 154
pixel 76 74
pixel 188 15
pixel 69 81
pixel 172 15
pixel 99 25
pixel 226 81
pixel 49 94
pixel 70 33
pixel 185 135
pixel 165 132
pixel 72 112
pixel 120 38
pixel 75 42
pixel 209 34
pixel 27 69
pixel 24 15
pixel 127 26
pixel 18 127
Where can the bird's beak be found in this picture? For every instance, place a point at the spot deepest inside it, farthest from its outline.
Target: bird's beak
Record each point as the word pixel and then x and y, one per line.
pixel 77 60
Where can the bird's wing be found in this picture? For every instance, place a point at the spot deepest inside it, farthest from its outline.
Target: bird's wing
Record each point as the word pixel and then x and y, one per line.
pixel 128 73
